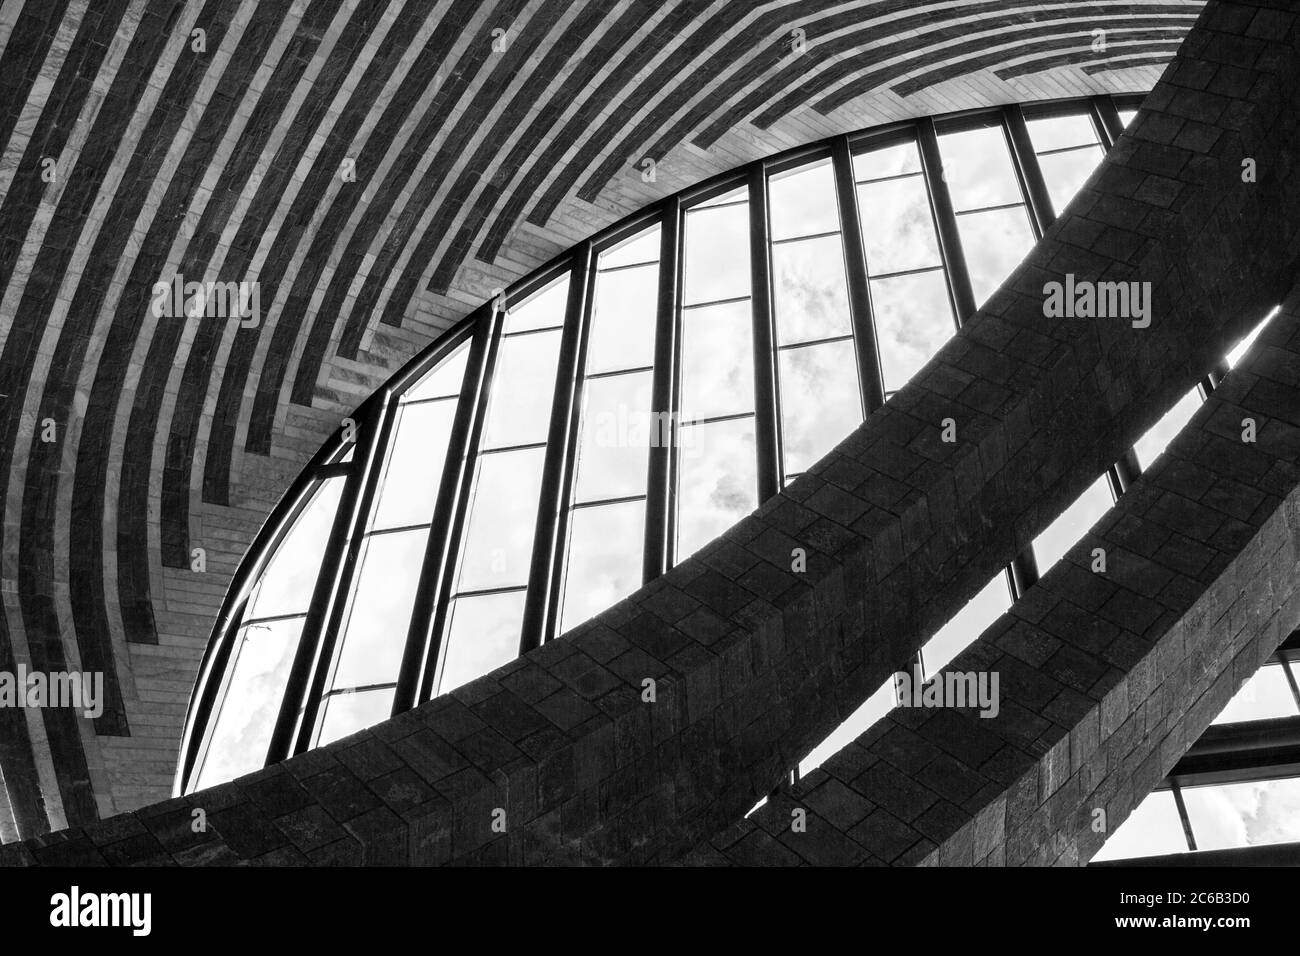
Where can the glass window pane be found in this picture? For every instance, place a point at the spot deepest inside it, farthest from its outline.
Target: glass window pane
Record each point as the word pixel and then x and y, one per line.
pixel 820 400
pixel 1063 533
pixel 286 585
pixel 482 635
pixel 1058 132
pixel 716 254
pixel 443 381
pixel 897 227
pixel 1152 829
pixel 994 243
pixel 1241 348
pixel 1127 116
pixel 717 361
pixel 415 460
pixel 616 430
pixel 380 611
pixel 604 562
pixel 259 670
pixel 718 480
pixel 887 161
pixel 1151 445
pixel 623 320
pixel 802 201
pixel 522 389
pixel 640 248
pixel 966 625
pixel 503 515
pixel 1244 814
pixel 978 170
pixel 809 293
pixel 349 712
pixel 739 194
pixel 1066 173
pixel 543 310
pixel 913 320
pixel 1265 695
pixel 856 724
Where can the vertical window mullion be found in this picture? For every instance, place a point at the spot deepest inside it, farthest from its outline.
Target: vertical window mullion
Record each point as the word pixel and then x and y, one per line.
pixel 1182 815
pixel 422 642
pixel 1289 674
pixel 870 380
pixel 214 678
pixel 663 398
pixel 1024 566
pixel 458 514
pixel 1032 184
pixel 320 628
pixel 960 289
pixel 766 436
pixel 1107 119
pixel 542 596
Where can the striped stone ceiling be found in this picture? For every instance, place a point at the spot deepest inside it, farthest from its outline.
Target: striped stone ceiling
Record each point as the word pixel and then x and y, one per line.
pixel 378 167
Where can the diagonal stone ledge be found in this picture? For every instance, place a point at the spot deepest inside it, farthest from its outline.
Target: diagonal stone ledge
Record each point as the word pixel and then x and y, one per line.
pixel 753 662
pixel 1105 679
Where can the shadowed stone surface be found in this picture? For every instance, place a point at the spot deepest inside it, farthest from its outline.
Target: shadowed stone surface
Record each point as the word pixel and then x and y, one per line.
pixel 1105 679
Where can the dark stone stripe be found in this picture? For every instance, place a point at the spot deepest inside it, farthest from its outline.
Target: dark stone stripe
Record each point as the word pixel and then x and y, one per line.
pixel 225 416
pixel 583 75
pixel 16 759
pixel 997 14
pixel 1128 62
pixel 946 56
pixel 487 154
pixel 665 76
pixel 759 66
pixel 942 74
pixel 478 61
pixel 44 463
pixel 359 106
pixel 133 564
pixel 35 572
pixel 87 547
pixel 1076 57
pixel 29 42
pixel 555 64
pixel 233 182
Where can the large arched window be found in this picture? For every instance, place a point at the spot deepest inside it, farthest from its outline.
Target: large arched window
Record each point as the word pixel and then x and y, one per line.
pixel 607 416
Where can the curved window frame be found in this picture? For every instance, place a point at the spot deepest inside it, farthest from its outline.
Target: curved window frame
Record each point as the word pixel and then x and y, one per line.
pixel 297 726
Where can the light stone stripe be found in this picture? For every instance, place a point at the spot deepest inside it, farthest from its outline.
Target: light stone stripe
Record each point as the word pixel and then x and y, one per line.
pixel 431 217
pixel 433 17
pixel 78 262
pixel 216 166
pixel 239 468
pixel 468 39
pixel 16 148
pixel 9 11
pixel 215 67
pixel 290 118
pixel 32 401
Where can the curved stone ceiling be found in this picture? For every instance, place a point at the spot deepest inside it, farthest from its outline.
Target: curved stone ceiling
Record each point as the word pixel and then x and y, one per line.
pixel 378 167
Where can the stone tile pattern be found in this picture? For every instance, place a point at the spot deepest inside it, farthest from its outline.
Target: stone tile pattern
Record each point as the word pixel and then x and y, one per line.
pixel 754 663
pixel 1106 678
pixel 226 162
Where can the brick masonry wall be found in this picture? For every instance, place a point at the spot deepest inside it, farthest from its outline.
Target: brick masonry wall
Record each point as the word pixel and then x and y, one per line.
pixel 221 157
pixel 1105 678
pixel 753 662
